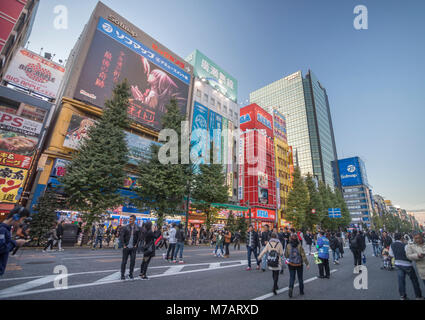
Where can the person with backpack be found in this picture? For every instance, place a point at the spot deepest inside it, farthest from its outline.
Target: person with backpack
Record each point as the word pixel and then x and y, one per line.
pixel 323 254
pixel 99 236
pixel 265 237
pixel 295 258
pixel 274 251
pixel 404 267
pixel 355 242
pixel 375 243
pixel 219 244
pixel 179 245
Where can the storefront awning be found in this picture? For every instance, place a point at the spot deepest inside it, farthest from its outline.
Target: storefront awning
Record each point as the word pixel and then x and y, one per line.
pixel 229 206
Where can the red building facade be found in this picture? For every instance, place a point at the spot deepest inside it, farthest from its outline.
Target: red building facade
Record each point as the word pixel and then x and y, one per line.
pixel 257 178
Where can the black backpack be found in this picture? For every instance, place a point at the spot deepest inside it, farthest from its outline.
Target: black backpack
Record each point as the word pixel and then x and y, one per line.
pixel 273 257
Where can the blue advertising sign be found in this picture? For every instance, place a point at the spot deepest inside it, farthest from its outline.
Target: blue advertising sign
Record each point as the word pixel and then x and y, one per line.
pixel 350 172
pixel 125 39
pixel 138 148
pixel 199 138
pixel 217 137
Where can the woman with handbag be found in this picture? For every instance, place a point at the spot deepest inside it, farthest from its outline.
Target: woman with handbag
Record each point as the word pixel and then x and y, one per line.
pixel 148 249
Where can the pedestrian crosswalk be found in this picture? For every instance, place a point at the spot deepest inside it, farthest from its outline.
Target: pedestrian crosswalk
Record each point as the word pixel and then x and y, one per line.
pixel 20 287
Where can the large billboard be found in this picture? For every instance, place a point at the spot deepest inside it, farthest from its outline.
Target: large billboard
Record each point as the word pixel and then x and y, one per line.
pixel 18 135
pixel 199 130
pixel 114 56
pixel 11 183
pixel 32 72
pixel 78 129
pixel 205 68
pixel 350 172
pixel 279 126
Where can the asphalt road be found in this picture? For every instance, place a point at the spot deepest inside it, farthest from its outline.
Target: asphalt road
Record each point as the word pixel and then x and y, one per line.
pixel 95 275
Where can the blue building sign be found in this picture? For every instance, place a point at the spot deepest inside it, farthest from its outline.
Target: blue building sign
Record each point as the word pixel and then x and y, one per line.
pixel 351 172
pixel 334 212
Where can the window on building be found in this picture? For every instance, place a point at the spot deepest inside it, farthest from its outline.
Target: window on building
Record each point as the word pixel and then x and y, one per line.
pixel 198 93
pixel 218 106
pixel 205 98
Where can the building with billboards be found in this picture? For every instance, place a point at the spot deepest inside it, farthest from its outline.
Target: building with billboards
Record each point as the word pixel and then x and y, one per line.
pixel 214 107
pixel 109 50
pixel 304 102
pixel 23 122
pixel 16 21
pixel 282 164
pixel 356 190
pixel 257 175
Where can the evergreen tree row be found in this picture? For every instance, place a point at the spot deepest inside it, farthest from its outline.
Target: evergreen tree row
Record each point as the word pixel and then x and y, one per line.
pixel 305 197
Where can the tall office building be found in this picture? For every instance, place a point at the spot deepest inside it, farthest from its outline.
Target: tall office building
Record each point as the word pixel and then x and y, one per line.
pixel 304 103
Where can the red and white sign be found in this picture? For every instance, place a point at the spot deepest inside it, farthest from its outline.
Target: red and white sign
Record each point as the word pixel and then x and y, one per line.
pixel 12 122
pixel 14 160
pixel 263 214
pixel 33 72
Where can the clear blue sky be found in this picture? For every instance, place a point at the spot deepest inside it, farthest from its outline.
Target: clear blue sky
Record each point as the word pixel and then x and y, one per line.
pixel 374 78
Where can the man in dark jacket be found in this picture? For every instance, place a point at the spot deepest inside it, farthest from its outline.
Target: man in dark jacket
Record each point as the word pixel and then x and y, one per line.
pixel 356 244
pixel 375 243
pixel 308 240
pixel 334 245
pixel 7 244
pixel 252 243
pixel 129 238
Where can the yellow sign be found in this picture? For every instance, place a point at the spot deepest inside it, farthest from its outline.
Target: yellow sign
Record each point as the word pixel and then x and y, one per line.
pixel 11 183
pixel 230 183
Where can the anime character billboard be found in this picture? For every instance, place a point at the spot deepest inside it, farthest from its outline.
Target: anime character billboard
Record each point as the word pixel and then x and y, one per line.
pixel 114 56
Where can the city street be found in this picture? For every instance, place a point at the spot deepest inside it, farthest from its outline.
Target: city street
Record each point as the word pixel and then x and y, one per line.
pixel 95 275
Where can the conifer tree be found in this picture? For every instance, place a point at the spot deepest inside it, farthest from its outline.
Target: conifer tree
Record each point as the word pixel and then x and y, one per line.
pixel 298 201
pixel 96 171
pixel 315 203
pixel 45 214
pixel 163 185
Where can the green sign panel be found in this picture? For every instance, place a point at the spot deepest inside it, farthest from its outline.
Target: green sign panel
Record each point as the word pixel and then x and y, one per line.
pixel 205 68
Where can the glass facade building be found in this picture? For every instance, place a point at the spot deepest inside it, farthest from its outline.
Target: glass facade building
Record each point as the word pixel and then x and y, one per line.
pixel 304 103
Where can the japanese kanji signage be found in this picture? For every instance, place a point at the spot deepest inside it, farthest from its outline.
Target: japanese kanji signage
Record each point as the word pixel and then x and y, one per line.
pixel 14 160
pixel 217 77
pixel 77 131
pixel 11 183
pixel 33 72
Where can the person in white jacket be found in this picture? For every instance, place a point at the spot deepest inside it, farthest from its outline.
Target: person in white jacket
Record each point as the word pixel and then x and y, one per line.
pixel 416 252
pixel 172 243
